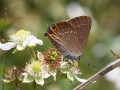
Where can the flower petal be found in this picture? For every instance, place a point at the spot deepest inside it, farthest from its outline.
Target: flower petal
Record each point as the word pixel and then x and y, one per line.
pixel 53 72
pixel 75 70
pixel 63 70
pixel 32 41
pixel 39 80
pixel 70 76
pixel 46 75
pixel 40 56
pixel 7 46
pixel 6 81
pixel 64 67
pixel 20 47
pixel 27 78
pixel 79 79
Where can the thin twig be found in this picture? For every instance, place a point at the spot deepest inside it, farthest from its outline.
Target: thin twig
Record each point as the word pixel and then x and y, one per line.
pixel 17 87
pixel 102 72
pixel 4 54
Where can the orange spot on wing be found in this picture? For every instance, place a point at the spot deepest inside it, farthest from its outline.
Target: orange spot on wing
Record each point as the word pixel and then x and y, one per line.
pixel 50 35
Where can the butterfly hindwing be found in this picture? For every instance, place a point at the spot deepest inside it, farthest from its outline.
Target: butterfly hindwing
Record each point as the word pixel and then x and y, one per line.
pixel 82 25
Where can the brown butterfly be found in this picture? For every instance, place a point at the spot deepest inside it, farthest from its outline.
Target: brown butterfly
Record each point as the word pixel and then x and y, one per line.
pixel 70 36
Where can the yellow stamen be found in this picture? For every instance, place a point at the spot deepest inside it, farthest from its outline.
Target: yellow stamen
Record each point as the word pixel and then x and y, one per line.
pixel 22 32
pixel 36 66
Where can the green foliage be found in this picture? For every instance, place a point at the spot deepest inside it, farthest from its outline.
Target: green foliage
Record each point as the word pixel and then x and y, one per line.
pixel 35 15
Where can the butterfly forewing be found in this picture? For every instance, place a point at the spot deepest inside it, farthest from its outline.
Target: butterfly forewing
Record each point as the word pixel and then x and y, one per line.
pixel 57 34
pixel 70 37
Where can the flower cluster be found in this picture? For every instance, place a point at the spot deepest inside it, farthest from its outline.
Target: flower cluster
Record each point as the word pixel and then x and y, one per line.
pixel 14 74
pixel 48 64
pixel 35 71
pixel 20 40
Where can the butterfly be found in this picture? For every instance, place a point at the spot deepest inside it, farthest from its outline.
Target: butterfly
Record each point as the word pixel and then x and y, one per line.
pixel 70 36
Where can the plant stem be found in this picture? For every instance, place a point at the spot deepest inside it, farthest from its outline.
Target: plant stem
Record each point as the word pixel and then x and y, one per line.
pixel 4 54
pixel 17 87
pixel 34 85
pixel 102 72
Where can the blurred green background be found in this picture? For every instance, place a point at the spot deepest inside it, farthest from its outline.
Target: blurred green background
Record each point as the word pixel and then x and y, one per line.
pixel 35 15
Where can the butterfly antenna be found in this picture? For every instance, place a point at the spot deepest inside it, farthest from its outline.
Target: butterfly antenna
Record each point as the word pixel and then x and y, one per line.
pixel 86 62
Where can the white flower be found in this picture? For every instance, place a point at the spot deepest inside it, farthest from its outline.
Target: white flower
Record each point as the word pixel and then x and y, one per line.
pixel 71 71
pixel 35 71
pixel 51 59
pixel 20 40
pixel 13 74
pixel 54 62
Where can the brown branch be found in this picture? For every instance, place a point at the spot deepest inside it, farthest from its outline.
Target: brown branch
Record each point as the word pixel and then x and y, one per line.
pixel 102 72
